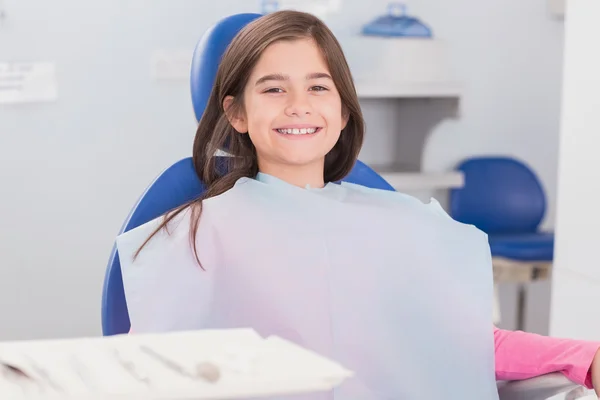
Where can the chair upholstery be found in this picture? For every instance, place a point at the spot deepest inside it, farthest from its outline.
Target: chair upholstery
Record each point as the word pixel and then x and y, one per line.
pixel 175 186
pixel 504 198
pixel 207 55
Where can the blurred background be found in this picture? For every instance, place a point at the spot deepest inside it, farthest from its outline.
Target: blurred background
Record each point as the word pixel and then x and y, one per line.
pixel 106 107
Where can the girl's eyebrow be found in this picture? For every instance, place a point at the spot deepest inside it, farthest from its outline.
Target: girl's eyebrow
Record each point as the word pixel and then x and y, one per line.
pixel 318 75
pixel 282 77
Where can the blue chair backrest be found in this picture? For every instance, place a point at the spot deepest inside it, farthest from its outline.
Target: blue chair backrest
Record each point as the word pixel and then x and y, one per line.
pixel 175 186
pixel 501 195
pixel 179 183
pixel 207 56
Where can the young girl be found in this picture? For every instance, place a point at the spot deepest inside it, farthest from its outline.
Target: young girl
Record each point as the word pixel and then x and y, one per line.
pixel 392 288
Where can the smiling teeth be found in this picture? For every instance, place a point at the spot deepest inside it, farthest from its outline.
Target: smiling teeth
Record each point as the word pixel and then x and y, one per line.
pixel 302 131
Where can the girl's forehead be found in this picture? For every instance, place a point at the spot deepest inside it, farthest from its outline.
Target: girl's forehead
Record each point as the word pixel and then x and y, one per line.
pixel 291 56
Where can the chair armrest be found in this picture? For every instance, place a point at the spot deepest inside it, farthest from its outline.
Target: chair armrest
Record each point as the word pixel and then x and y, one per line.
pixel 541 388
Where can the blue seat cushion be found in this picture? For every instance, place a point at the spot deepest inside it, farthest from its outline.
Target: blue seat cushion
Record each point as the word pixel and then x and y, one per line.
pixel 523 247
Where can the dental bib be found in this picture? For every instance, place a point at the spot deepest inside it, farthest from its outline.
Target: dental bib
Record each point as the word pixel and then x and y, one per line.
pixel 389 287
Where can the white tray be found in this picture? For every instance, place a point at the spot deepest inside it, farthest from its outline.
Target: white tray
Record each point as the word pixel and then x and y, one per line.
pixel 133 367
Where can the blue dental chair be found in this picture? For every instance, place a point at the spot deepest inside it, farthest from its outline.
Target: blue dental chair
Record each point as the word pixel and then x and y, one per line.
pixel 179 184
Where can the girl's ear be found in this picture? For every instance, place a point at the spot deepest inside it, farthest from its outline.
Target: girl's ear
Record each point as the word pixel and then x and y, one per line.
pixel 345 118
pixel 236 119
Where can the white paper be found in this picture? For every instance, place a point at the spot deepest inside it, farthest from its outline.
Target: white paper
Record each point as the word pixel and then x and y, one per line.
pixel 27 82
pixel 387 335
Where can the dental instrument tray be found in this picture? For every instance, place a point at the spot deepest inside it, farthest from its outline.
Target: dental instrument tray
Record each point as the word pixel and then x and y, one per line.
pixel 207 364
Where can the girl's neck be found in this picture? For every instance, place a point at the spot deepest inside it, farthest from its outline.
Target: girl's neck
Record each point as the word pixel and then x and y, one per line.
pixel 301 176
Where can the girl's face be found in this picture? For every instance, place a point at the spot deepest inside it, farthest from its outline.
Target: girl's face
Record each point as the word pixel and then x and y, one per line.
pixel 292 111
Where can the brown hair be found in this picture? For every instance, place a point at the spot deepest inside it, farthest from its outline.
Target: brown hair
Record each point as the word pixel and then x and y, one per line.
pixel 216 133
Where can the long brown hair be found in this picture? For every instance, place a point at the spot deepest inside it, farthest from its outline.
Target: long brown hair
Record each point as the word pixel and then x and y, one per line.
pixel 214 133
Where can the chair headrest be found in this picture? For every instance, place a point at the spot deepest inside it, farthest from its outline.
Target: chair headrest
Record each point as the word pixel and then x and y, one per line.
pixel 208 54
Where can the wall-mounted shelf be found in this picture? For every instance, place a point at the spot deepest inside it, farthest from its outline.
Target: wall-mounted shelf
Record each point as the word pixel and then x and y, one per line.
pixel 389 68
pixel 386 90
pixel 407 181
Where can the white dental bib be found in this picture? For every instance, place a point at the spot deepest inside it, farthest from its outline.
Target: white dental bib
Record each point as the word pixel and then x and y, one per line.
pixel 393 289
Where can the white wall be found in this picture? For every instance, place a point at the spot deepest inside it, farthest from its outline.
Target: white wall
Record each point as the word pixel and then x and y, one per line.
pixel 576 283
pixel 71 170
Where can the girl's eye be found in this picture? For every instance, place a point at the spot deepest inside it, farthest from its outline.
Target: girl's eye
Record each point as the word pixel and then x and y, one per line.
pixel 274 90
pixel 313 89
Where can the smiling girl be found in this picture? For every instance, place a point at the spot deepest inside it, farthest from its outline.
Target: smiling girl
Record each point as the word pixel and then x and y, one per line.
pixel 392 288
